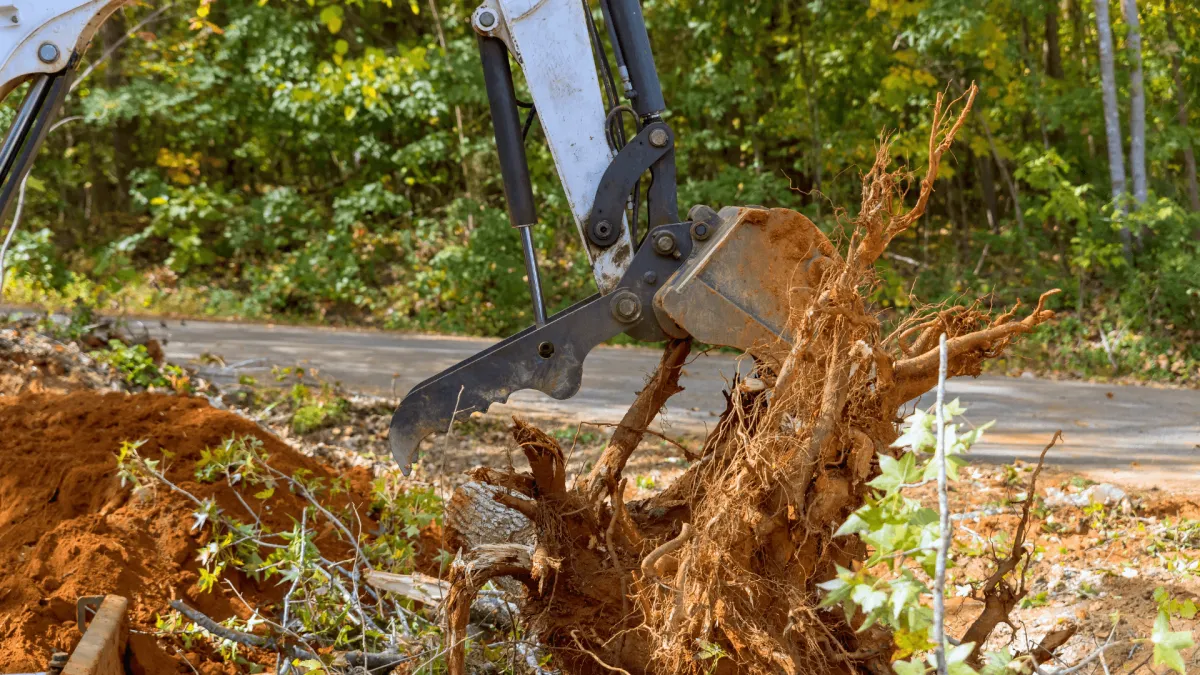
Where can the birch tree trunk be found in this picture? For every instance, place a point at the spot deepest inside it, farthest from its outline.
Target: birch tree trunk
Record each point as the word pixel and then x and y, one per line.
pixel 1137 104
pixel 1181 115
pixel 1112 118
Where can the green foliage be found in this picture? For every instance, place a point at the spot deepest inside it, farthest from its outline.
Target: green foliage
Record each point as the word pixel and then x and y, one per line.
pixel 898 530
pixel 138 368
pixel 1167 643
pixel 315 410
pixel 333 160
pixel 891 587
pixel 320 591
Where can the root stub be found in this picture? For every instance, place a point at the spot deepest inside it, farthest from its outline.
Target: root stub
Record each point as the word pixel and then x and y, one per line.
pixel 725 561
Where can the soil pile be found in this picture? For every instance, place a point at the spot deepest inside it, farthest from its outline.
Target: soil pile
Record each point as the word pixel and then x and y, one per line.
pixel 68 529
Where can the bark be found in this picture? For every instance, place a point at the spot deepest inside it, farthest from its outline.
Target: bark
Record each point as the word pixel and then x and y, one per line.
pixel 1112 117
pixel 665 384
pixel 1013 191
pixel 987 183
pixel 1054 67
pixel 1181 114
pixel 112 196
pixel 1137 104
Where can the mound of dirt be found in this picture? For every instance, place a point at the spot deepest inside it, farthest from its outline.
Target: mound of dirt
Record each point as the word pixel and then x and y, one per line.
pixel 68 529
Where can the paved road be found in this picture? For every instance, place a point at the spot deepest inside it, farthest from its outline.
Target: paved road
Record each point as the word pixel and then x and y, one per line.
pixel 1142 434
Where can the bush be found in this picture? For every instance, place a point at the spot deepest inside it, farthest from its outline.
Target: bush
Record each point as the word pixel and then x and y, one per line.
pixel 138 368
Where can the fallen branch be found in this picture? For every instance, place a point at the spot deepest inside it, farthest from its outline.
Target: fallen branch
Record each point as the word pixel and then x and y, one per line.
pixel 1044 651
pixel 999 597
pixel 208 624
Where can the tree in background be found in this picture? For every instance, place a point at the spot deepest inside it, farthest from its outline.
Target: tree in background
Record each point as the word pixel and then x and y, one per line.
pixel 1137 104
pixel 1181 115
pixel 334 160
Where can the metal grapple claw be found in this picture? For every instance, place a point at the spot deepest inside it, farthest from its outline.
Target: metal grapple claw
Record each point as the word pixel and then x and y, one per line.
pixel 547 358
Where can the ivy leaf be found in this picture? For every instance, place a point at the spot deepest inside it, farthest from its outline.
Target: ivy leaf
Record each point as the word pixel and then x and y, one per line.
pixel 917 435
pixel 953 408
pixel 310 665
pixel 903 592
pixel 998 663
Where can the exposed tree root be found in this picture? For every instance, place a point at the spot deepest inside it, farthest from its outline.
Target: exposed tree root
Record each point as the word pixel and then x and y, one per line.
pixel 726 560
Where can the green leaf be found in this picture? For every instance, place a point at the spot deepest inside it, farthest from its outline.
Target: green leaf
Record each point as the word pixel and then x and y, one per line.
pixel 895 472
pixel 868 598
pixel 853 525
pixel 332 16
pixel 1167 644
pixel 913 667
pixel 264 494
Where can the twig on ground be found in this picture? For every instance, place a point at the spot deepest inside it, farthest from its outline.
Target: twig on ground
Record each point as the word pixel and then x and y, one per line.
pixel 1087 660
pixel 185 660
pixel 287 599
pixel 999 598
pixel 208 624
pixel 597 659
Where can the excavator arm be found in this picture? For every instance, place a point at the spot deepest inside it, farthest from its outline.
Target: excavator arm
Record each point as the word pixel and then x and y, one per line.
pixel 721 277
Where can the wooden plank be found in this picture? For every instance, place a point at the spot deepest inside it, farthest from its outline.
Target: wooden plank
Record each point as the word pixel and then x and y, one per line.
pixel 101 651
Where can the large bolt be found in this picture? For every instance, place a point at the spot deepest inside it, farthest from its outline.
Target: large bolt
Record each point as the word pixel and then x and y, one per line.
pixel 664 244
pixel 701 231
pixel 626 307
pixel 58 661
pixel 48 52
pixel 603 229
pixel 486 19
pixel 659 137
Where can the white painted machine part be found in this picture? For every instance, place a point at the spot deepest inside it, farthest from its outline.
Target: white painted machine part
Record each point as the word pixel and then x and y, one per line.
pixel 549 40
pixel 28 26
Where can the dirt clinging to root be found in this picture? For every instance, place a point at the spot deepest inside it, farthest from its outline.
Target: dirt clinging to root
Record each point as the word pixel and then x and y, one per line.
pixel 69 529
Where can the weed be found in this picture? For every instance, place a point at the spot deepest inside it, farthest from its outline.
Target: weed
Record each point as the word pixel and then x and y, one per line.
pixel 138 369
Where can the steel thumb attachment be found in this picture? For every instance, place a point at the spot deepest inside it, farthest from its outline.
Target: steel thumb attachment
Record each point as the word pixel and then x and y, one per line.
pixel 727 278
pixel 548 359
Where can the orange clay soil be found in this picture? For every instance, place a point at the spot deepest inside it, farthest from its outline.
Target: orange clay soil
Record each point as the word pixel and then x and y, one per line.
pixel 68 529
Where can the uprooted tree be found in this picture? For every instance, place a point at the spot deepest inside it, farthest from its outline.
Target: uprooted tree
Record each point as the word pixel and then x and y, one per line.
pixel 728 557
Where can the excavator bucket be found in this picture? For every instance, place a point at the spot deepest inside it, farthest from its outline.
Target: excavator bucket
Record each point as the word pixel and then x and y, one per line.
pixel 748 268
